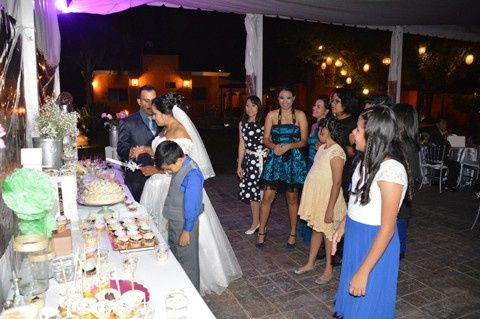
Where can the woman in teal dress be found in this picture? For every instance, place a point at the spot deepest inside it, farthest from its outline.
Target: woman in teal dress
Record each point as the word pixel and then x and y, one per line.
pixel 320 110
pixel 286 132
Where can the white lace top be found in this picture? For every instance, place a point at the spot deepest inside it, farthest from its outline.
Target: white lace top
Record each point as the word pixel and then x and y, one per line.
pixel 370 214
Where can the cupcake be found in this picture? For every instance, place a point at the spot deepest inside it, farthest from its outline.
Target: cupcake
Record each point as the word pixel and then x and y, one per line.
pixel 128 221
pixel 120 233
pixel 61 223
pixel 132 227
pixel 111 221
pixel 122 242
pixel 145 228
pixel 136 241
pixel 149 239
pixel 132 232
pixel 116 227
pixel 132 208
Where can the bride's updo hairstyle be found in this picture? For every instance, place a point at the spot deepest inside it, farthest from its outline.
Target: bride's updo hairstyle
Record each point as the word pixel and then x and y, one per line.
pixel 165 103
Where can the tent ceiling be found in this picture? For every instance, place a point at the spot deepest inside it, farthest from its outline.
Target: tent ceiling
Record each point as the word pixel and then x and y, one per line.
pixel 443 18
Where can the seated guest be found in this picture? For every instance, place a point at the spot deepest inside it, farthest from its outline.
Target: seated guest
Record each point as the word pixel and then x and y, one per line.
pixel 439 138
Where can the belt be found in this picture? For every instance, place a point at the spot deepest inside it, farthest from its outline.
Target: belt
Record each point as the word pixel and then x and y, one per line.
pixel 260 154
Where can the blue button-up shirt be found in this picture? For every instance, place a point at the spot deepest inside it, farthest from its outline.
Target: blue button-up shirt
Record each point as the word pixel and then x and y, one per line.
pixel 192 187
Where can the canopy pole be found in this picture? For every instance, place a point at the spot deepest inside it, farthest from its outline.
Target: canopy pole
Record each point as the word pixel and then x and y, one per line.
pixel 22 11
pixel 395 71
pixel 254 54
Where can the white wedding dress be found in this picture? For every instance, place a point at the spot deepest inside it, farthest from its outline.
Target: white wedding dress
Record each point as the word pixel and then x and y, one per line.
pixel 218 263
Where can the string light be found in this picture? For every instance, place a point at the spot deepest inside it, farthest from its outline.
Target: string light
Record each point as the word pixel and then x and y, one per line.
pixel 343 72
pixel 338 63
pixel 366 67
pixel 422 49
pixel 365 91
pixel 386 61
pixel 348 80
pixel 323 66
pixel 469 59
pixel 329 60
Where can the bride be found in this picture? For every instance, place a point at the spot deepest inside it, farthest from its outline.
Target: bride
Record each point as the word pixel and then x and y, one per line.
pixel 218 263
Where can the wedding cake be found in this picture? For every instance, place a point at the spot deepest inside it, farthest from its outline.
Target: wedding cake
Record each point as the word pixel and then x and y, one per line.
pixel 103 192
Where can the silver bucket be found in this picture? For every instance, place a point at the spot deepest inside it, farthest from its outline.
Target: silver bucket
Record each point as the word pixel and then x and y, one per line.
pixel 113 136
pixel 52 151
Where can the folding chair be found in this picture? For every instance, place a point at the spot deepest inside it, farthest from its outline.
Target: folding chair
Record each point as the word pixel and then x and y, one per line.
pixel 434 162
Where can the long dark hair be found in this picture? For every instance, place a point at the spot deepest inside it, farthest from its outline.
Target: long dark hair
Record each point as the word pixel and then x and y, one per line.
pixel 259 117
pixel 382 140
pixel 407 122
pixel 165 103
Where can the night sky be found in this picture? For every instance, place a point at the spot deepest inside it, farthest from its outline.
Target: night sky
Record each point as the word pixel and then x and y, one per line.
pixel 205 41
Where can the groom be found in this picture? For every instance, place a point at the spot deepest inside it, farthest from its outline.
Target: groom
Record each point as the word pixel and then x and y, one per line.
pixel 139 129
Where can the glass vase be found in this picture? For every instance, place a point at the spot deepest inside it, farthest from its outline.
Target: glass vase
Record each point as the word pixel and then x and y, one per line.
pixel 33 251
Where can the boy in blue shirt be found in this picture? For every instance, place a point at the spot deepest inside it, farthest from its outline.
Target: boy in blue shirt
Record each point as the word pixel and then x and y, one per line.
pixel 182 206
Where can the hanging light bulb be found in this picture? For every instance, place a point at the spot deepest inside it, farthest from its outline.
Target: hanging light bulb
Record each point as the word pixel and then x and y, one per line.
pixel 422 49
pixel 323 66
pixel 348 80
pixel 365 91
pixel 338 63
pixel 386 61
pixel 469 59
pixel 343 72
pixel 320 47
pixel 366 67
pixel 329 60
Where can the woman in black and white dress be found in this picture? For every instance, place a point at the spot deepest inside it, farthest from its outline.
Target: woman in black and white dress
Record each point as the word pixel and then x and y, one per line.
pixel 251 154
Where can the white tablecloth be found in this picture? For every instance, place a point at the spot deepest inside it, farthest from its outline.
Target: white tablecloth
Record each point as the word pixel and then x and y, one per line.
pixel 158 278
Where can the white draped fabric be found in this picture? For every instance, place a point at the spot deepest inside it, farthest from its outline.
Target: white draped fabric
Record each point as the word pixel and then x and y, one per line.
pixel 395 71
pixel 22 11
pixel 254 53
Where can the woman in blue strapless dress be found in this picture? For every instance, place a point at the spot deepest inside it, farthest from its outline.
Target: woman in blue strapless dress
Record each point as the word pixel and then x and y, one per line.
pixel 286 131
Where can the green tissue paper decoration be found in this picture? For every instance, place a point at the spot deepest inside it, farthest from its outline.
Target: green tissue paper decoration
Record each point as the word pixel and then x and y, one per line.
pixel 31 195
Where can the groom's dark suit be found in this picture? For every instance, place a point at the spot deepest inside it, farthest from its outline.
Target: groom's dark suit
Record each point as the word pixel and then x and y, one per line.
pixel 134 132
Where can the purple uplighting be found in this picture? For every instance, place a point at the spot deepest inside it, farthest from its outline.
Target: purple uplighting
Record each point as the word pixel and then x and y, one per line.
pixel 61 5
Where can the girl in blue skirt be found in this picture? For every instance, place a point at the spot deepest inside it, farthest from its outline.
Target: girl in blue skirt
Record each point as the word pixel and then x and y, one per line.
pixel 368 281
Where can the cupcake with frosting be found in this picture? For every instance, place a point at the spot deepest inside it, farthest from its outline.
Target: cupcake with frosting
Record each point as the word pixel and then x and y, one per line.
pixel 136 241
pixel 149 239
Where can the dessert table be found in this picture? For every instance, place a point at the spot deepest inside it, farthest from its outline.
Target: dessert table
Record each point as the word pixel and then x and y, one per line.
pixel 159 278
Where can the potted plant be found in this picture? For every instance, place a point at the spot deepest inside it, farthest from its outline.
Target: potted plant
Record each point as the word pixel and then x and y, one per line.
pixel 56 128
pixel 111 124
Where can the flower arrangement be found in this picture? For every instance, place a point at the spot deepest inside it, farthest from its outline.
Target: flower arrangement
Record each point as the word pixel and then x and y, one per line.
pixel 110 121
pixel 53 123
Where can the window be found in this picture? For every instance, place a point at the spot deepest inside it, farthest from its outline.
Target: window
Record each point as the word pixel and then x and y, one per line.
pixel 170 85
pixel 199 94
pixel 118 95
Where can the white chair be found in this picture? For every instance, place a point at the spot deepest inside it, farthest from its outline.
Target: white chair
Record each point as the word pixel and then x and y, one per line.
pixel 423 167
pixel 469 167
pixel 434 162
